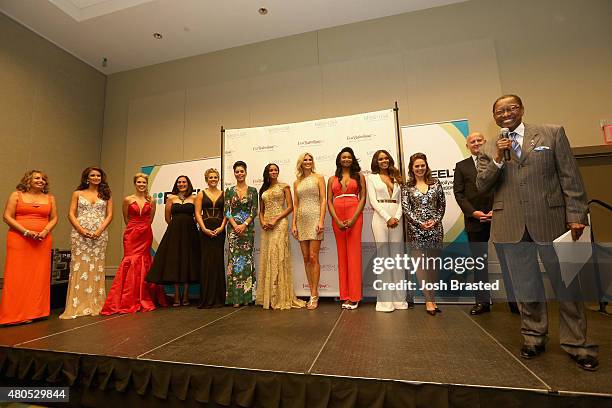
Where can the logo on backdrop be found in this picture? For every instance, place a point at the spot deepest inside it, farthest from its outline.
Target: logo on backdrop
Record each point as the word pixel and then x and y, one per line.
pixel 373 117
pixel 278 129
pixel 264 148
pixel 326 123
pixel 360 138
pixel 325 158
pixel 310 142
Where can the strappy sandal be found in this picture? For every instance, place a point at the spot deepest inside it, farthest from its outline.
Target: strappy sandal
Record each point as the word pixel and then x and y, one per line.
pixel 185 302
pixel 313 303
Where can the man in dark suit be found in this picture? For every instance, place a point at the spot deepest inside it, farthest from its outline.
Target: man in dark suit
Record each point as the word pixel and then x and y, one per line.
pixel 538 196
pixel 476 207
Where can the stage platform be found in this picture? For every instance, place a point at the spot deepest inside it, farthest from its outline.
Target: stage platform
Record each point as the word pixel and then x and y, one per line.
pixel 299 358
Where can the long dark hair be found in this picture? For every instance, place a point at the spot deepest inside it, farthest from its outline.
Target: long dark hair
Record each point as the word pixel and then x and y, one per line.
pixel 394 173
pixel 429 179
pixel 266 178
pixel 104 191
pixel 175 189
pixel 355 168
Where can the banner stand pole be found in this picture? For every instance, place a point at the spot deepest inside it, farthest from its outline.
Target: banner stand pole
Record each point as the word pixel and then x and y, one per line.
pixel 222 159
pixel 400 161
pixel 398 137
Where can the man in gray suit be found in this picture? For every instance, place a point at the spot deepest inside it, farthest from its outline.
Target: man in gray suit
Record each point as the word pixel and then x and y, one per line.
pixel 539 195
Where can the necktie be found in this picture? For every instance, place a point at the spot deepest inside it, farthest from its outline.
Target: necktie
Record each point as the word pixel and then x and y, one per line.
pixel 515 144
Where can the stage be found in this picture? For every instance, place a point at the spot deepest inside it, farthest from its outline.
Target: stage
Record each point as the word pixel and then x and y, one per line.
pixel 299 358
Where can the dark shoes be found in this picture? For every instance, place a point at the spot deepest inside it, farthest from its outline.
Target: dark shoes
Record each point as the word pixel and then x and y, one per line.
pixel 530 352
pixel 480 308
pixel 513 308
pixel 588 363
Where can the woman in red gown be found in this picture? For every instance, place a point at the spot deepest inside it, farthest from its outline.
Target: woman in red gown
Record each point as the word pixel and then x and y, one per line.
pixel 130 293
pixel 31 215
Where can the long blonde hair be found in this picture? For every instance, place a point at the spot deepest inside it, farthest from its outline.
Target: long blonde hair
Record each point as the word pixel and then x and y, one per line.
pixel 146 177
pixel 26 181
pixel 299 173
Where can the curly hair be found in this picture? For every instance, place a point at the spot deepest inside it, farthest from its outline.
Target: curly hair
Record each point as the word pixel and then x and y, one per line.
pixel 26 181
pixel 394 173
pixel 355 168
pixel 104 191
pixel 146 177
pixel 210 171
pixel 299 173
pixel 429 179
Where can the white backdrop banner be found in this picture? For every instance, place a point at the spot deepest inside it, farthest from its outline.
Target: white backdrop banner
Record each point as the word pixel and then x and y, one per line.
pixel 444 145
pixel 282 144
pixel 161 181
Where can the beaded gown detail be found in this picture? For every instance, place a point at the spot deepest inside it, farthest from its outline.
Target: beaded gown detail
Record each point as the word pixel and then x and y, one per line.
pixel 86 286
pixel 419 207
pixel 309 209
pixel 275 279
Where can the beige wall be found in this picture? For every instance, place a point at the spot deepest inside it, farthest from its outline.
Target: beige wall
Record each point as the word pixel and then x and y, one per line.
pixel 444 63
pixel 51 117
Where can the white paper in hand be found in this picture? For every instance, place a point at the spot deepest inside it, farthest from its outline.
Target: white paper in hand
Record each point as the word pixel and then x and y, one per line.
pixel 573 255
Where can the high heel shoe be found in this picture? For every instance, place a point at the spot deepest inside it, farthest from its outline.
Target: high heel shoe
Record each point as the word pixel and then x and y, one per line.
pixel 430 308
pixel 313 303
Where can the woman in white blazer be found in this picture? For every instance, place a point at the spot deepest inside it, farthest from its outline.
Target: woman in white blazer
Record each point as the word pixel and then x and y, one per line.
pixel 384 193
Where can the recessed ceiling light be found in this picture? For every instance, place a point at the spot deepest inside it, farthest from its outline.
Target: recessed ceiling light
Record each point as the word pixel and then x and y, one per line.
pixel 263 11
pixel 157 36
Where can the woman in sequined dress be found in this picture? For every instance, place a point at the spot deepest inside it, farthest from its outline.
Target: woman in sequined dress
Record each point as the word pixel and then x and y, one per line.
pixel 275 279
pixel 423 203
pixel 91 211
pixel 307 227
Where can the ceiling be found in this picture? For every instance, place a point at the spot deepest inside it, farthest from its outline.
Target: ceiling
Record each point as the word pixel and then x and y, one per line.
pixel 122 30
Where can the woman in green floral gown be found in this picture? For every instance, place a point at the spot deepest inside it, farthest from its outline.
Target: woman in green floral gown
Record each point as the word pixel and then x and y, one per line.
pixel 241 209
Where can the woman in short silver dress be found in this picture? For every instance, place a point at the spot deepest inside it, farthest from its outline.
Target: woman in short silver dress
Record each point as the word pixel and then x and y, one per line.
pixel 423 203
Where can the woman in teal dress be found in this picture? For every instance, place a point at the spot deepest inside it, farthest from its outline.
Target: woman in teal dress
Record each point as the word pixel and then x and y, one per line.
pixel 241 210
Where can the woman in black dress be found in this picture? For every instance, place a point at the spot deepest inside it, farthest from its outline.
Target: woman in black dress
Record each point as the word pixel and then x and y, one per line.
pixel 211 219
pixel 177 259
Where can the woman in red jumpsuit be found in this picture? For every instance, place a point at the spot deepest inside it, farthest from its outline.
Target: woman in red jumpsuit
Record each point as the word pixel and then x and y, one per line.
pixel 346 195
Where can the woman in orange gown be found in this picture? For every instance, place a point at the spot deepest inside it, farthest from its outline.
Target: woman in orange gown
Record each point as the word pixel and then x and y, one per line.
pixel 31 214
pixel 130 293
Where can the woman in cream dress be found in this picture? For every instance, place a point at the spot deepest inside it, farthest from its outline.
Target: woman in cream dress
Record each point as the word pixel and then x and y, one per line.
pixel 384 193
pixel 91 211
pixel 307 226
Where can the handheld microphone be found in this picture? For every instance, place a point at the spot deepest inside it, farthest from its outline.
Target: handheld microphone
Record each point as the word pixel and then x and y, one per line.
pixel 504 135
